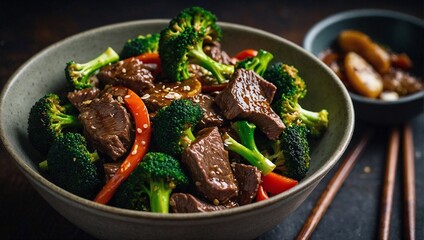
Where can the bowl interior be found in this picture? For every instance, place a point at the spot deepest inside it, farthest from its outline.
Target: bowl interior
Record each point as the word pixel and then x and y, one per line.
pixel 45 73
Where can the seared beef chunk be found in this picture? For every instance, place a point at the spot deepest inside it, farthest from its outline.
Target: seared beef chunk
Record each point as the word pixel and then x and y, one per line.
pixel 207 162
pixel 132 74
pixel 163 93
pixel 107 125
pixel 248 96
pixel 187 203
pixel 80 98
pixel 212 115
pixel 248 180
pixel 110 169
pixel 116 92
pixel 214 50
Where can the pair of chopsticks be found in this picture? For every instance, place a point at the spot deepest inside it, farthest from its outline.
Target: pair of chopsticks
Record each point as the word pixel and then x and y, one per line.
pixel 387 199
pixel 408 184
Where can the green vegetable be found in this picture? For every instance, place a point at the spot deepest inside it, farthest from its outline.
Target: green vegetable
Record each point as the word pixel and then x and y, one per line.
pixel 290 89
pixel 258 63
pixel 181 44
pixel 247 148
pixel 73 167
pixel 49 117
pixel 78 74
pixel 141 44
pixel 172 126
pixel 151 183
pixel 291 152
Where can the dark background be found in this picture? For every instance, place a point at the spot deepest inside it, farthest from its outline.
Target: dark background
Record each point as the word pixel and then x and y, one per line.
pixel 26 28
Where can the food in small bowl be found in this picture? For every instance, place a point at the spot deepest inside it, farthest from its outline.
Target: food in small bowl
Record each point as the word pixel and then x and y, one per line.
pixel 148 154
pixel 378 56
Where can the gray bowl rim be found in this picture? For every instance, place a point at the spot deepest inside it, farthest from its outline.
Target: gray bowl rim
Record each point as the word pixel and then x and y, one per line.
pixel 119 212
pixel 363 13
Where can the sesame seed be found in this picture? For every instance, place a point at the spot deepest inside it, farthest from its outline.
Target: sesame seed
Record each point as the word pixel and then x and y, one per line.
pixel 139 130
pixel 170 95
pixel 124 70
pixel 127 96
pixel 197 183
pixel 134 151
pixel 145 96
pixel 143 143
pixel 145 125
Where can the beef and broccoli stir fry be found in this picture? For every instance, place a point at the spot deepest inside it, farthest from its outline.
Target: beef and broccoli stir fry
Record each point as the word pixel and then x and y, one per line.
pixel 174 124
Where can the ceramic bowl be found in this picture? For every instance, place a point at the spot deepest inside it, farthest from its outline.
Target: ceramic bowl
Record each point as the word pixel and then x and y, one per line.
pixel 45 73
pixel 401 32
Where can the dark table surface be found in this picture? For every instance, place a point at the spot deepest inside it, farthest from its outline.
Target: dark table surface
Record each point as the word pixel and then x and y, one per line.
pixel 26 28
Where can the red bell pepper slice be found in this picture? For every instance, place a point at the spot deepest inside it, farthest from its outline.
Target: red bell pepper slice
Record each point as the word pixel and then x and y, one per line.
pixel 139 148
pixel 261 194
pixel 246 53
pixel 275 183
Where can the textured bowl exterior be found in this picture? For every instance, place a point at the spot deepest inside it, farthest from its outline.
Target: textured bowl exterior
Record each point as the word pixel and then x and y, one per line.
pixel 45 73
pixel 400 32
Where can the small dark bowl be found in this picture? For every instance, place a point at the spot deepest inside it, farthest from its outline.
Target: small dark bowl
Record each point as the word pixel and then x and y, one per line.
pixel 401 32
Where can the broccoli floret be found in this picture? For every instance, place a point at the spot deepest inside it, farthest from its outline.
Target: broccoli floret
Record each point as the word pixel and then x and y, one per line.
pixel 259 63
pixel 181 44
pixel 290 153
pixel 73 167
pixel 247 148
pixel 286 79
pixel 172 126
pixel 78 74
pixel 141 44
pixel 290 89
pixel 291 111
pixel 156 176
pixel 49 117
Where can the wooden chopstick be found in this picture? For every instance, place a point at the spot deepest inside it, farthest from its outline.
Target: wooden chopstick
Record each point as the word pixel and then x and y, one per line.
pixel 333 186
pixel 409 182
pixel 389 184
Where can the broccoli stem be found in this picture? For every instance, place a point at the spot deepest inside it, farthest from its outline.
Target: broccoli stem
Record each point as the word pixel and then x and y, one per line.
pixel 217 69
pixel 89 67
pixel 311 117
pixel 264 58
pixel 187 138
pixel 246 131
pixel 62 120
pixel 315 121
pixel 94 157
pixel 254 157
pixel 43 165
pixel 160 192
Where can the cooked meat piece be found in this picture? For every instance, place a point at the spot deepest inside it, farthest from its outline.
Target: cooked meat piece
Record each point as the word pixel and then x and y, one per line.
pixel 107 125
pixel 132 74
pixel 212 115
pixel 214 50
pixel 116 92
pixel 208 164
pixel 163 93
pixel 110 169
pixel 248 96
pixel 187 203
pixel 80 98
pixel 248 180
